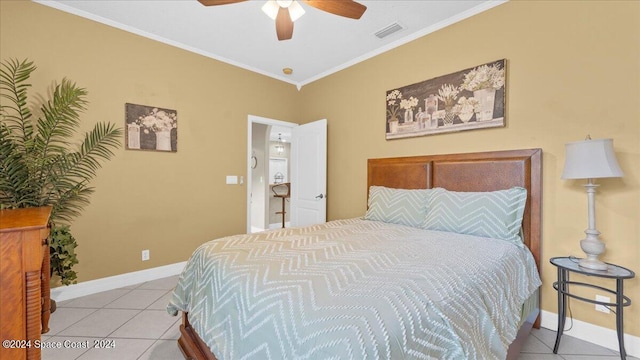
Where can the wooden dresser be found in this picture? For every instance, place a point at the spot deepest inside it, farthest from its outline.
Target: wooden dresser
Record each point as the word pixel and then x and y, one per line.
pixel 24 278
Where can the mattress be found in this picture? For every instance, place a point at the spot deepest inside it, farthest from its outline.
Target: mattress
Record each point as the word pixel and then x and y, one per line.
pixel 356 289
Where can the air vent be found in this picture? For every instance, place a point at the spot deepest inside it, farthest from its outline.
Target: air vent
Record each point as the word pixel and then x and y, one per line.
pixel 388 30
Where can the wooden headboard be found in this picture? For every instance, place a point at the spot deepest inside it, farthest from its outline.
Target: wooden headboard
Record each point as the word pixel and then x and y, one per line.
pixel 484 171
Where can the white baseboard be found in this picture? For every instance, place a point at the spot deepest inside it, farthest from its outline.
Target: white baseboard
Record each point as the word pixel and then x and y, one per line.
pixel 593 333
pixel 85 288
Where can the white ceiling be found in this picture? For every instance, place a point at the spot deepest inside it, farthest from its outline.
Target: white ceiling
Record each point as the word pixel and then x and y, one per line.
pixel 242 35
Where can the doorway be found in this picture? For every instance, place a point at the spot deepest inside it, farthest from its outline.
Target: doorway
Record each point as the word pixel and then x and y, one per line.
pixel 269 145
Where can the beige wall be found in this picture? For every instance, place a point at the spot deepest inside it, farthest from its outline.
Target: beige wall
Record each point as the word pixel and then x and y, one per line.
pixel 573 68
pixel 168 203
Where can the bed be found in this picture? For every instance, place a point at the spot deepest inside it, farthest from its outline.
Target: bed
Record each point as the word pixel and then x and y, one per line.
pixel 384 292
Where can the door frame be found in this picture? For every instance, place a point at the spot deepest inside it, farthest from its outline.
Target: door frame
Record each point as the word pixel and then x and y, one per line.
pixel 251 119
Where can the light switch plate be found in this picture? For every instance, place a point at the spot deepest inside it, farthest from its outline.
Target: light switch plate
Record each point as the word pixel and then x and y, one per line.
pixel 232 179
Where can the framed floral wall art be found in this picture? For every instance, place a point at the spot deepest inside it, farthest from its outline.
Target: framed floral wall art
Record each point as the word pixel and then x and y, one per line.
pixel 470 99
pixel 151 128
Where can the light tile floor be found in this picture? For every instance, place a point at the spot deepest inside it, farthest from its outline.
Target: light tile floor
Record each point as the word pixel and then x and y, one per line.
pixel 134 319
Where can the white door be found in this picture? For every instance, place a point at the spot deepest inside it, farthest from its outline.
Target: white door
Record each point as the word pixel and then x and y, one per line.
pixel 309 174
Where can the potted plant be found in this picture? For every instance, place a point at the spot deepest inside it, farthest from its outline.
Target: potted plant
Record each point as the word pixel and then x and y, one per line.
pixel 465 108
pixel 448 95
pixel 483 81
pixel 393 110
pixel 40 162
pixel 408 105
pixel 160 122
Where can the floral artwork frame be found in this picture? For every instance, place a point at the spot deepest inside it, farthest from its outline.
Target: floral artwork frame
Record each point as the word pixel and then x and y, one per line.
pixel 469 99
pixel 150 128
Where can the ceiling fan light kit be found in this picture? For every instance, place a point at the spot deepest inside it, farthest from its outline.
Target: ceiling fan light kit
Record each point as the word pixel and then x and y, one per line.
pixel 272 7
pixel 285 12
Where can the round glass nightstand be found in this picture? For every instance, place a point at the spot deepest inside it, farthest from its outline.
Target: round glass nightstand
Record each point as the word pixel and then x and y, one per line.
pixel 566 265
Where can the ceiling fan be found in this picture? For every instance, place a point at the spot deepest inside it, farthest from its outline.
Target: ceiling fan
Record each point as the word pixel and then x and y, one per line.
pixel 285 12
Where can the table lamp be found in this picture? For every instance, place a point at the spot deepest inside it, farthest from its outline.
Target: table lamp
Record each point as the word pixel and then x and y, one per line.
pixel 591 159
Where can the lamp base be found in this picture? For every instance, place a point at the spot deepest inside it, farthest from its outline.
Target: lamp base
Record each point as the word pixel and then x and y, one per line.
pixel 592 247
pixel 593 264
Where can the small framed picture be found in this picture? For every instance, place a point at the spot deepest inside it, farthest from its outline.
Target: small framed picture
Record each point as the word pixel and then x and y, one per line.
pixel 151 128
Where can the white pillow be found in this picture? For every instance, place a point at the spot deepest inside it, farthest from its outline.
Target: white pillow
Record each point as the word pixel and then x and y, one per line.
pixel 494 214
pixel 397 206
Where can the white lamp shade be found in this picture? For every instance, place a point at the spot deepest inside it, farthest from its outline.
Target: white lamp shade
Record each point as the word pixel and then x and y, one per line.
pixel 590 159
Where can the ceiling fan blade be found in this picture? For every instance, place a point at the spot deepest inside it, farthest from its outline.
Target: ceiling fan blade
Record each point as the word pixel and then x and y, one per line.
pixel 284 25
pixel 346 8
pixel 219 2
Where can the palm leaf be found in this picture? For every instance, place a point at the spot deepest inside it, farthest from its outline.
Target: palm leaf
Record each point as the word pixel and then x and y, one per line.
pixel 15 188
pixel 37 164
pixel 13 87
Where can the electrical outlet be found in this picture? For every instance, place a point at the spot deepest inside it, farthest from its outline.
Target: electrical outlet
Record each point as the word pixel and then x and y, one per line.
pixel 145 255
pixel 602 308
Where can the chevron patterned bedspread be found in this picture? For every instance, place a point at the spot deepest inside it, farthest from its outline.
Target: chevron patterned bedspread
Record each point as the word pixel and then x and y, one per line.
pixel 356 289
